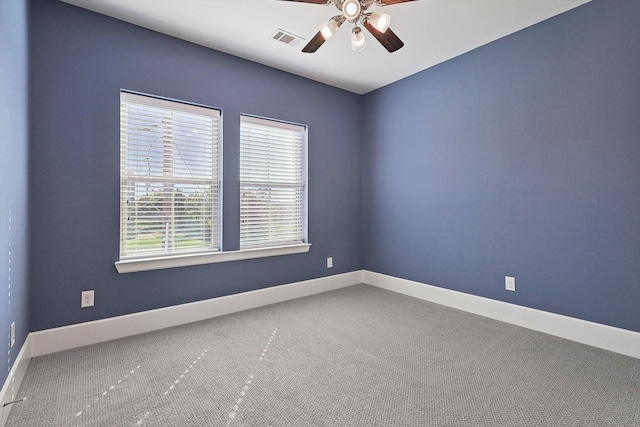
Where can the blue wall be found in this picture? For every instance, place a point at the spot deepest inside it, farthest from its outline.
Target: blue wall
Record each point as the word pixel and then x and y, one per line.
pixel 81 60
pixel 519 158
pixel 14 180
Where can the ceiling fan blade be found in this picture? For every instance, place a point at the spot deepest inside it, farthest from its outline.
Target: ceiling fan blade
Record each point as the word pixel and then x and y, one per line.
pixel 391 2
pixel 314 44
pixel 309 1
pixel 388 39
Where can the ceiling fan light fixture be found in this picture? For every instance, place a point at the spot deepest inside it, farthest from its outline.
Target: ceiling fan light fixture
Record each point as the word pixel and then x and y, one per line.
pixel 351 9
pixel 328 28
pixel 358 41
pixel 356 12
pixel 380 21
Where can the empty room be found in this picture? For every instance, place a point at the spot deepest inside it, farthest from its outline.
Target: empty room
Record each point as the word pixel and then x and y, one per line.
pixel 320 212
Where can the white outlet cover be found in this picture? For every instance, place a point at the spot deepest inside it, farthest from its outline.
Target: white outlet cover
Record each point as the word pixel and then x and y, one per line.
pixel 510 283
pixel 87 299
pixel 330 262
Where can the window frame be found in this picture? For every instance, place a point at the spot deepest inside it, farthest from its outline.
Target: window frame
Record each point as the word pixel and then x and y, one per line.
pixel 148 263
pixel 276 145
pixel 200 170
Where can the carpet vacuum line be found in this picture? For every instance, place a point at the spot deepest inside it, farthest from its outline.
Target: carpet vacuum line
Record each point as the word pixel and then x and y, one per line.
pixel 176 382
pixel 106 392
pixel 245 389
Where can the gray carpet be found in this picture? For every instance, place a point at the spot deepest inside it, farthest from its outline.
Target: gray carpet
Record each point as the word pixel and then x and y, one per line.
pixel 358 356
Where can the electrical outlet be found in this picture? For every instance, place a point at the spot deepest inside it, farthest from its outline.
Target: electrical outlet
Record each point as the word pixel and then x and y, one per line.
pixel 330 262
pixel 510 283
pixel 87 299
pixel 13 333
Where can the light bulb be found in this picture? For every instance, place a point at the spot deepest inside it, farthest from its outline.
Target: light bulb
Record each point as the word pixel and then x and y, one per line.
pixel 351 9
pixel 358 41
pixel 380 21
pixel 328 28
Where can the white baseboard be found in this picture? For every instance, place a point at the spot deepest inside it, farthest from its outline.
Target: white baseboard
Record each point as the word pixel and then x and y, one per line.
pixel 58 339
pixel 68 337
pixel 14 380
pixel 594 334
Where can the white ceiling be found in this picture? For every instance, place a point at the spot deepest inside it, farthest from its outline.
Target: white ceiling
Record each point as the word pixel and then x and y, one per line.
pixel 433 31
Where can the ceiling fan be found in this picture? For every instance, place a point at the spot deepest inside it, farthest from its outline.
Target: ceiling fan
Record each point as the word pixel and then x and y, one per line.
pixel 355 11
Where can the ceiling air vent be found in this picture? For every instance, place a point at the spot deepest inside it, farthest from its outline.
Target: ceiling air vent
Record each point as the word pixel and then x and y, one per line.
pixel 286 37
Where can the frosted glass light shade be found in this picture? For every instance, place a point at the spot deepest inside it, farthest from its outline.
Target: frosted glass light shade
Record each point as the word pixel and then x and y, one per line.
pixel 351 9
pixel 358 41
pixel 328 28
pixel 380 21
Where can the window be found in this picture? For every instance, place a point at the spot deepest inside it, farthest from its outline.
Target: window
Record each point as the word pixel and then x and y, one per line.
pixel 273 184
pixel 169 177
pixel 171 189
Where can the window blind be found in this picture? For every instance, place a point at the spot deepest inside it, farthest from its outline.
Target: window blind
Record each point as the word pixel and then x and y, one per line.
pixel 169 177
pixel 272 183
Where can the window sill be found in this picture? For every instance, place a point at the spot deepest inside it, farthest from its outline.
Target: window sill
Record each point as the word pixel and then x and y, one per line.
pixel 157 263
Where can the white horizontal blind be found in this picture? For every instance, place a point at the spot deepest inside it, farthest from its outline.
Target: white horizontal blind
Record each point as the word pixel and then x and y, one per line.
pixel 169 177
pixel 272 183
